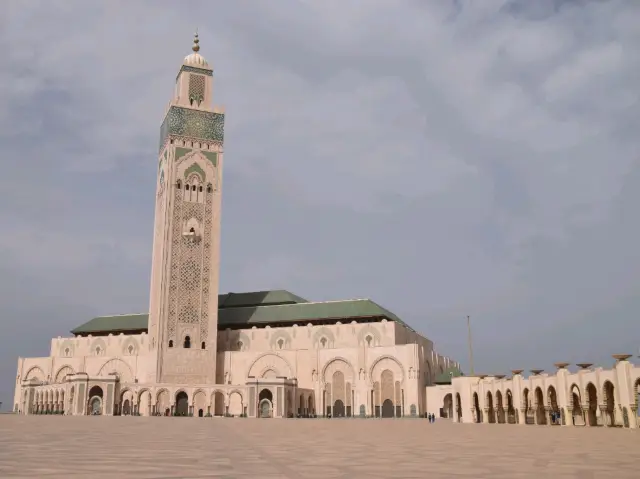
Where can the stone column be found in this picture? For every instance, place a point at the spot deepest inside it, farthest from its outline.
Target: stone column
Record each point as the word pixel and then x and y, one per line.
pixel 547 414
pixel 485 416
pixel 604 416
pixel 522 417
pixel 633 417
pixel 585 415
pixel 569 416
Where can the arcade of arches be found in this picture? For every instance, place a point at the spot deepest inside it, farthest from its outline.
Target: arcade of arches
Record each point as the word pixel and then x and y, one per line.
pixel 609 398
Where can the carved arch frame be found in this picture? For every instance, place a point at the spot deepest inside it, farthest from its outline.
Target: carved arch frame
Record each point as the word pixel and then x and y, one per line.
pixel 349 371
pixel 60 369
pixel 366 331
pixel 285 336
pixel 326 332
pixel 393 360
pixel 270 365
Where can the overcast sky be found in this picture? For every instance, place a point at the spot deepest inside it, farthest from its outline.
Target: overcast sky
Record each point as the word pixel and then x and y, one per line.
pixel 443 158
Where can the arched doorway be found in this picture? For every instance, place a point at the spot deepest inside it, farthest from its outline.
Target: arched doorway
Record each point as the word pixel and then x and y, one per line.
pixel 302 407
pixel 200 412
pixel 218 403
pixel 458 408
pixel 500 408
pixel 387 408
pixel 553 406
pixel 577 414
pixel 338 408
pixel 182 404
pixel 476 405
pixel 311 409
pixel 126 408
pixel 526 405
pixel 491 411
pixel 592 405
pixel 265 400
pixel 447 406
pixel 541 416
pixel 511 412
pixel 95 401
pixel 609 402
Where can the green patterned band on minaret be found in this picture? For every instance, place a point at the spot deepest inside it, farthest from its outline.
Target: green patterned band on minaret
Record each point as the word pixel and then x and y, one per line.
pixel 196 124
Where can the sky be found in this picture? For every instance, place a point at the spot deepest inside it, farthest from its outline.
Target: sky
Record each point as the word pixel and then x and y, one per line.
pixel 444 159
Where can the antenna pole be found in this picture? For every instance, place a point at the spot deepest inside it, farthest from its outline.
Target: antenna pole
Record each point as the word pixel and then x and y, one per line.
pixel 470 348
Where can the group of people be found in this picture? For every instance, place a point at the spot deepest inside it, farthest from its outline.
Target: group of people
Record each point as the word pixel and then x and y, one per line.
pixel 431 417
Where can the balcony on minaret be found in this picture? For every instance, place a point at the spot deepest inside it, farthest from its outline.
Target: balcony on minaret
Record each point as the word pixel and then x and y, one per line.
pixel 191 234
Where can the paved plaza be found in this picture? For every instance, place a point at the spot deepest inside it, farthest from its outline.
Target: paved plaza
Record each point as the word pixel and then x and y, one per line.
pixel 160 447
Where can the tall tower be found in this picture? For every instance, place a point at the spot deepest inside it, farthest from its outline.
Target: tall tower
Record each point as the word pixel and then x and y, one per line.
pixel 183 310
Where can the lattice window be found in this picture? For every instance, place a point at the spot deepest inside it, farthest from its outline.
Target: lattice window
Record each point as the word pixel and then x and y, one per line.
pixel 196 89
pixel 175 257
pixel 188 314
pixel 206 260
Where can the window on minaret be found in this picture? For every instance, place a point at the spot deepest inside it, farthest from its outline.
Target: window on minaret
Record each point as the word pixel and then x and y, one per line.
pixel 187 342
pixel 196 89
pixel 369 339
pixel 171 343
pixel 203 345
pixel 130 349
pixel 280 343
pixel 323 342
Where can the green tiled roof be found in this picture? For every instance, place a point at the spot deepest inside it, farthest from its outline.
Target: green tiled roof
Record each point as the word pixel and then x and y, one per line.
pixel 260 308
pixel 291 313
pixel 258 298
pixel 122 322
pixel 445 377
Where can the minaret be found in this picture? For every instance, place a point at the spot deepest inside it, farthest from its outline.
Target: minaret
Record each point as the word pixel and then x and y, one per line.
pixel 183 310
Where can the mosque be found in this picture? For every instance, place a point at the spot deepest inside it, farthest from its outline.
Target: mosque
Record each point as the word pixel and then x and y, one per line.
pixel 200 353
pixel 274 354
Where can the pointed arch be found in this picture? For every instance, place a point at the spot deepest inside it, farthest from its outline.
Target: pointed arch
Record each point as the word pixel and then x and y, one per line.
pixel 369 330
pixel 323 332
pixel 338 363
pixel 130 342
pixel 119 367
pixel 62 373
pixel 386 362
pixel 270 361
pixel 274 342
pixel 35 372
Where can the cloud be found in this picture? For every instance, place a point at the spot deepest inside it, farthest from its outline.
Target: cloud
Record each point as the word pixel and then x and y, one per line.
pixel 444 159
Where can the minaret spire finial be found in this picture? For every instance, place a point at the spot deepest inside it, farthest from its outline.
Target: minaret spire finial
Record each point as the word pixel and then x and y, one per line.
pixel 195 46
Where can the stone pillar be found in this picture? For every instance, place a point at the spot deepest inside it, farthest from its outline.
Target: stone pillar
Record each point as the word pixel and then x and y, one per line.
pixel 604 416
pixel 633 416
pixel 568 416
pixel 485 416
pixel 547 413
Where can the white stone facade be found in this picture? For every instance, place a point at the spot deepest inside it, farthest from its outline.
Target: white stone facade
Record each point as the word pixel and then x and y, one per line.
pixel 588 397
pixel 306 368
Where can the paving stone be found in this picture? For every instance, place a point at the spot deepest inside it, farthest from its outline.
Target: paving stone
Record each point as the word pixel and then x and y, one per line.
pixel 165 448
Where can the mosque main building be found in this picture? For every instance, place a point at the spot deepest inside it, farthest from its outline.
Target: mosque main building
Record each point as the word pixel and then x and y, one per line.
pixel 201 353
